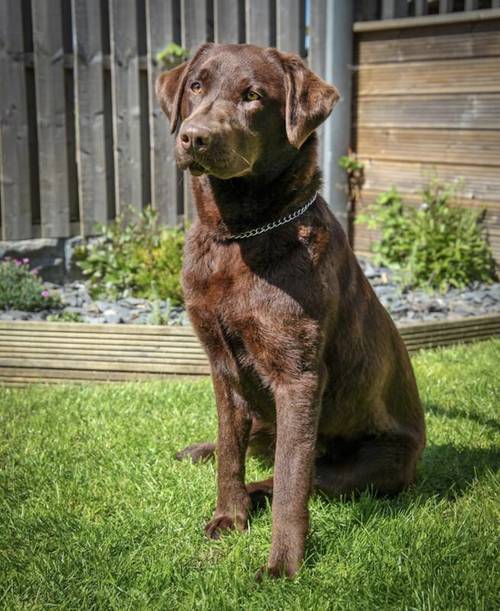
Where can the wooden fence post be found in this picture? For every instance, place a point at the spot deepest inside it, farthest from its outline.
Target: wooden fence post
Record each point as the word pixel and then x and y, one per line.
pixel 260 23
pixel 194 20
pixel 290 26
pixel 89 114
pixel 163 27
pixel 126 105
pixel 51 118
pixel 227 21
pixel 15 187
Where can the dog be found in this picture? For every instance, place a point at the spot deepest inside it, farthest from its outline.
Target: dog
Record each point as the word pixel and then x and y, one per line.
pixel 308 368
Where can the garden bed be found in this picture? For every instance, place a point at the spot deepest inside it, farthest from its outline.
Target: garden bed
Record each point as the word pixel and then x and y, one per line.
pixel 68 352
pixel 405 305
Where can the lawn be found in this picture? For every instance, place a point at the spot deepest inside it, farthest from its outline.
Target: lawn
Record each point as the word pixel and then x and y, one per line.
pixel 96 514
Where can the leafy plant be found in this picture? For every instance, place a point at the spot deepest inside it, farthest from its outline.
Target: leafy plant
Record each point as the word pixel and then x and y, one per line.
pixel 172 55
pixel 434 246
pixel 350 163
pixel 355 175
pixel 22 289
pixel 65 317
pixel 157 317
pixel 137 258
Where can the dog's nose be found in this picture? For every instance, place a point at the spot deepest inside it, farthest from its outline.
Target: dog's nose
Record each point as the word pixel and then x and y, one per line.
pixel 195 137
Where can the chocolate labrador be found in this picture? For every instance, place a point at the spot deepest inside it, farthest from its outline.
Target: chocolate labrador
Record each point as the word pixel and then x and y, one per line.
pixel 307 366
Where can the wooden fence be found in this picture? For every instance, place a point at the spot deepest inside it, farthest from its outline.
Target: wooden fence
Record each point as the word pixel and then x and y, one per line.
pixel 82 136
pixel 426 103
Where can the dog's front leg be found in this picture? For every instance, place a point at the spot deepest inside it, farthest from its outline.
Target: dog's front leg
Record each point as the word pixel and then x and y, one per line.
pixel 233 501
pixel 297 411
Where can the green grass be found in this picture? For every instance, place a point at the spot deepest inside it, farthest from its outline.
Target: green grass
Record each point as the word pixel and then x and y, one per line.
pixel 95 513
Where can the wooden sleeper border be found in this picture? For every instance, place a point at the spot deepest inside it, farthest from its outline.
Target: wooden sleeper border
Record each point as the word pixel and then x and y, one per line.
pixel 70 352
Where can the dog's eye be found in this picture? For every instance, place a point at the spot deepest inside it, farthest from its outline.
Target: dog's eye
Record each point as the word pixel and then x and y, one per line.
pixel 196 87
pixel 252 96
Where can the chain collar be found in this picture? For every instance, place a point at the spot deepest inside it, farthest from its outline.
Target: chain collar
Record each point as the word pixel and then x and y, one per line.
pixel 273 224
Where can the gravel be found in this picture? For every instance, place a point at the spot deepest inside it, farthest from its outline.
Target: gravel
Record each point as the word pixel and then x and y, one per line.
pixel 405 306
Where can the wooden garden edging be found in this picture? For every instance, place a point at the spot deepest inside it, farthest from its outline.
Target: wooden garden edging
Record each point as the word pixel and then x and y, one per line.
pixel 69 352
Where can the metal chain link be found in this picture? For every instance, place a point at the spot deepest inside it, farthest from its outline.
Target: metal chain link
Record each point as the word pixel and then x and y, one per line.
pixel 273 224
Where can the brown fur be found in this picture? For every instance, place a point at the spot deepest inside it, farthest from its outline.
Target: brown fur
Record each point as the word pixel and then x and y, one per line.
pixel 307 366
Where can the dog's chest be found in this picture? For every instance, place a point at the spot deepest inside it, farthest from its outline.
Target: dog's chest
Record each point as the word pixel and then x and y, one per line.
pixel 242 319
pixel 222 294
pixel 257 334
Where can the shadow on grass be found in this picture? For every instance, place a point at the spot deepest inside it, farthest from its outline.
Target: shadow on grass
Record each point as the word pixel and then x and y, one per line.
pixel 455 412
pixel 446 472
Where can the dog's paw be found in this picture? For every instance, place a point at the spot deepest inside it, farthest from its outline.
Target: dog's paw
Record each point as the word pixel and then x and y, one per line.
pixel 276 570
pixel 225 521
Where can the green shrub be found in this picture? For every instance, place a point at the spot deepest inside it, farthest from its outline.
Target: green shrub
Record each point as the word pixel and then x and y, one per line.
pixel 137 258
pixel 435 246
pixel 65 317
pixel 22 289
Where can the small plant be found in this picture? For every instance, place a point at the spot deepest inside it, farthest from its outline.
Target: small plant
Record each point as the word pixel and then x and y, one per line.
pixel 65 317
pixel 172 55
pixel 434 246
pixel 137 258
pixel 22 289
pixel 157 317
pixel 355 175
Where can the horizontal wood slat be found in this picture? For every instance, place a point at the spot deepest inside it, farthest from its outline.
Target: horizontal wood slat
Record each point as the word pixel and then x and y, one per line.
pixel 71 328
pixel 150 352
pixel 469 147
pixel 465 40
pixel 480 182
pixel 428 20
pixel 66 363
pixel 471 111
pixel 37 375
pixel 414 198
pixel 449 76
pixel 53 352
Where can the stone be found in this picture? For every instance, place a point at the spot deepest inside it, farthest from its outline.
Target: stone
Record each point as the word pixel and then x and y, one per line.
pixel 16 315
pixel 45 254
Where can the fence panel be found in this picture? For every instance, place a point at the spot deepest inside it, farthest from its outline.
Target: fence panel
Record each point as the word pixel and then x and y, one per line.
pixel 428 105
pixel 392 9
pixel 89 111
pixel 126 105
pixel 163 27
pixel 15 188
pixel 260 21
pixel 197 28
pixel 51 118
pixel 445 6
pixel 227 21
pixel 290 26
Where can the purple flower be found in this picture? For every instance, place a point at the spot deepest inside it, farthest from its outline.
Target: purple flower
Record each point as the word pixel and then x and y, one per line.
pixel 45 293
pixel 18 262
pixel 26 260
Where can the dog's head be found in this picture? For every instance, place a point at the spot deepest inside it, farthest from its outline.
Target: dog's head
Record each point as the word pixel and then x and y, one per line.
pixel 235 106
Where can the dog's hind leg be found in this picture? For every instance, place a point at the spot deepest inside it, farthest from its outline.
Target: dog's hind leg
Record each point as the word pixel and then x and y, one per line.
pixel 384 464
pixel 259 492
pixel 261 444
pixel 198 452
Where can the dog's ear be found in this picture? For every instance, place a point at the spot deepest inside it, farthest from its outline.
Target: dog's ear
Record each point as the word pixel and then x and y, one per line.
pixel 309 99
pixel 170 87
